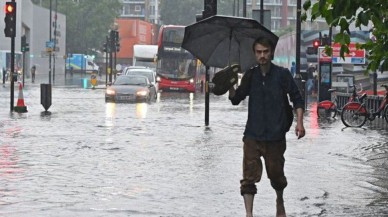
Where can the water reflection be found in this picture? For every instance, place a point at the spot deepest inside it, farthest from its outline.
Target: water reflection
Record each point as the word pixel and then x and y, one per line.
pixel 45 115
pixel 191 102
pixel 9 168
pixel 110 112
pixel 111 109
pixel 141 110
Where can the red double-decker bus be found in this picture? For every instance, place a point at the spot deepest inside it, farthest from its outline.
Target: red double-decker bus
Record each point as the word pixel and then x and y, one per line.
pixel 176 68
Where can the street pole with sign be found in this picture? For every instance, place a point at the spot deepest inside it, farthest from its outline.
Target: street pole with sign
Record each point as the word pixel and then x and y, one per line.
pixel 10 32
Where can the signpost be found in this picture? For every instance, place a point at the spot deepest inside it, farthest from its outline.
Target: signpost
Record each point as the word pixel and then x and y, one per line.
pixel 355 56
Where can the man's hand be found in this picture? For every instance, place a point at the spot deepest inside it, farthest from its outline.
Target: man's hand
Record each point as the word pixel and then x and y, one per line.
pixel 232 92
pixel 299 128
pixel 300 131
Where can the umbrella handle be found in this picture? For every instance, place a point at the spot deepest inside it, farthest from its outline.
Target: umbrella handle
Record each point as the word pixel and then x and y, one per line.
pixel 230 44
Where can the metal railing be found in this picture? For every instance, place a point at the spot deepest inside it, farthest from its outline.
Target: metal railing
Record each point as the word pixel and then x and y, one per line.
pixel 372 102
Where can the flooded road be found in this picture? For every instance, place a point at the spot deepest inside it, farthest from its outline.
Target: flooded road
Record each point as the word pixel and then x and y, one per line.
pixel 90 158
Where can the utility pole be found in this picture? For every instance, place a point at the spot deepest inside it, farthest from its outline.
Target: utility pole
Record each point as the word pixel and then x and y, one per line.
pixel 262 12
pixel 55 38
pixel 50 41
pixel 210 9
pixel 298 33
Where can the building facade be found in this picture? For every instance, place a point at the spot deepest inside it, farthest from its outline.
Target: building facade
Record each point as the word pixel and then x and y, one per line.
pixel 146 10
pixel 32 21
pixel 283 14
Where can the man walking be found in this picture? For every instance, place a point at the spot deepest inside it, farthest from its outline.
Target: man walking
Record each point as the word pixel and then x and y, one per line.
pixel 33 70
pixel 267 86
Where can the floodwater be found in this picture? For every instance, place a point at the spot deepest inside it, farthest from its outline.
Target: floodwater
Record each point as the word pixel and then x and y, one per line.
pixel 89 158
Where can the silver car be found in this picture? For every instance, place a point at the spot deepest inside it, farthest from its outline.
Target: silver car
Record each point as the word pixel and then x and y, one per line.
pixel 148 72
pixel 130 88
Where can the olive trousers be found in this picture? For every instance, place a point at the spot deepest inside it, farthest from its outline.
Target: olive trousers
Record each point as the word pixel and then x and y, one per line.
pixel 273 155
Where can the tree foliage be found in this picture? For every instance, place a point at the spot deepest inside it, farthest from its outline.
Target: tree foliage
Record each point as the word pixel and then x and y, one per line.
pixel 361 13
pixel 87 22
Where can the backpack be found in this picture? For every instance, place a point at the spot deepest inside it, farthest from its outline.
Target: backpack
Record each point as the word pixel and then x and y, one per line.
pixel 288 108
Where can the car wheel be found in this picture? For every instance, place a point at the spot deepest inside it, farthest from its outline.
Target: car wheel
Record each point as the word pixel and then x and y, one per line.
pixel 156 95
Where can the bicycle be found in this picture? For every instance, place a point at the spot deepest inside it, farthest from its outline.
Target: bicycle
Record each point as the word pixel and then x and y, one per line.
pixel 355 114
pixel 329 108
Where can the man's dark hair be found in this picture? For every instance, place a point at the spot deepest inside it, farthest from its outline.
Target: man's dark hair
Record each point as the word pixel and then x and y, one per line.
pixel 265 42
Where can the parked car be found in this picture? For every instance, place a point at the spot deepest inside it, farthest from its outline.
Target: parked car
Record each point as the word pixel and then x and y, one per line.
pixel 122 72
pixel 148 72
pixel 130 88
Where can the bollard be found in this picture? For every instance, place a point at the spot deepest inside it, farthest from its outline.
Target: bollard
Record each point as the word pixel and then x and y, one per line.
pixel 45 96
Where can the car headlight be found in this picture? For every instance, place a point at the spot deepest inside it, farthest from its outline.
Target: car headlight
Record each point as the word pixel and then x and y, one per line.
pixel 110 92
pixel 158 79
pixel 191 80
pixel 141 93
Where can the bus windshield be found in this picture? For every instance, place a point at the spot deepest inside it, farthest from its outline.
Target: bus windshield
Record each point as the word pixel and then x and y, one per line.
pixel 174 62
pixel 182 68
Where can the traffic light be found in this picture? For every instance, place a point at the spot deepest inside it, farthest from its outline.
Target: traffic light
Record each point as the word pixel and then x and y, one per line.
pixel 15 77
pixel 24 45
pixel 114 40
pixel 210 7
pixel 105 47
pixel 10 19
pixel 316 43
pixel 325 40
pixel 117 41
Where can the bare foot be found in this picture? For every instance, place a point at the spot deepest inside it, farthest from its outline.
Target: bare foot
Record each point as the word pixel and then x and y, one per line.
pixel 280 210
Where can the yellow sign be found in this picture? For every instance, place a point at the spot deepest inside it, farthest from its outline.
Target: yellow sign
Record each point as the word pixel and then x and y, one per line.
pixel 93 80
pixel 108 70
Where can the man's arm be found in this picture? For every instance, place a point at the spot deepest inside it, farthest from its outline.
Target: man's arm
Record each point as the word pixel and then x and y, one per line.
pixel 299 128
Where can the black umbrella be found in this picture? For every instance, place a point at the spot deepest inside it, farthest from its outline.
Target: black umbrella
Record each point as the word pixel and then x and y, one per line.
pixel 221 41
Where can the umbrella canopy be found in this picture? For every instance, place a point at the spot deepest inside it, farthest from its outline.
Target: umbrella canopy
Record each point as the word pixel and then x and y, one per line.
pixel 221 41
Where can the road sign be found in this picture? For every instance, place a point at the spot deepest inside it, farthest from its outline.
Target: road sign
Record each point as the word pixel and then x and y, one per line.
pixel 322 56
pixel 355 56
pixel 49 44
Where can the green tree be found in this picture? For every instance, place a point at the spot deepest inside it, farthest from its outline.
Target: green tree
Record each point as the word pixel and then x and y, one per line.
pixel 361 13
pixel 87 22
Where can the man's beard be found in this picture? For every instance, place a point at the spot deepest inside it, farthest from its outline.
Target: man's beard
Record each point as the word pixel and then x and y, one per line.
pixel 263 61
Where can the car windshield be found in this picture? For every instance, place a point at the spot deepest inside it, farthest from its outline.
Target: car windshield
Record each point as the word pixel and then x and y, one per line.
pixel 131 80
pixel 148 74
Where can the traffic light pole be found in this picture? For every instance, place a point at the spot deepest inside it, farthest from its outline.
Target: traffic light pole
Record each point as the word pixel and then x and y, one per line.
pixel 210 9
pixel 12 70
pixel 24 66
pixel 50 41
pixel 10 31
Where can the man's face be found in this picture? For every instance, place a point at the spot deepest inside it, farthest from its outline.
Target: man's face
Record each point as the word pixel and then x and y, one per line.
pixel 263 54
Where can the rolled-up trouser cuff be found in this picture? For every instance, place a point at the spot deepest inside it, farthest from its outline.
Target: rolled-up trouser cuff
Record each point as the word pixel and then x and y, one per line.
pixel 279 184
pixel 248 189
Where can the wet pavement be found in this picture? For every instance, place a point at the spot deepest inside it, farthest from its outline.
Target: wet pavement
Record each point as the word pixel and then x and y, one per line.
pixel 91 158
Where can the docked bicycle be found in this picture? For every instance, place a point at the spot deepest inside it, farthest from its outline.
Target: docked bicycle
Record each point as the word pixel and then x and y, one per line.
pixel 330 108
pixel 355 114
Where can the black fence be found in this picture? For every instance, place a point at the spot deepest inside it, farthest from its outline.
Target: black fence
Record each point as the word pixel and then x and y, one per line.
pixel 372 103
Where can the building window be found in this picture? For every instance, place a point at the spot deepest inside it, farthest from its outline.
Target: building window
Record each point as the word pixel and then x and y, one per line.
pixel 126 10
pixel 137 8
